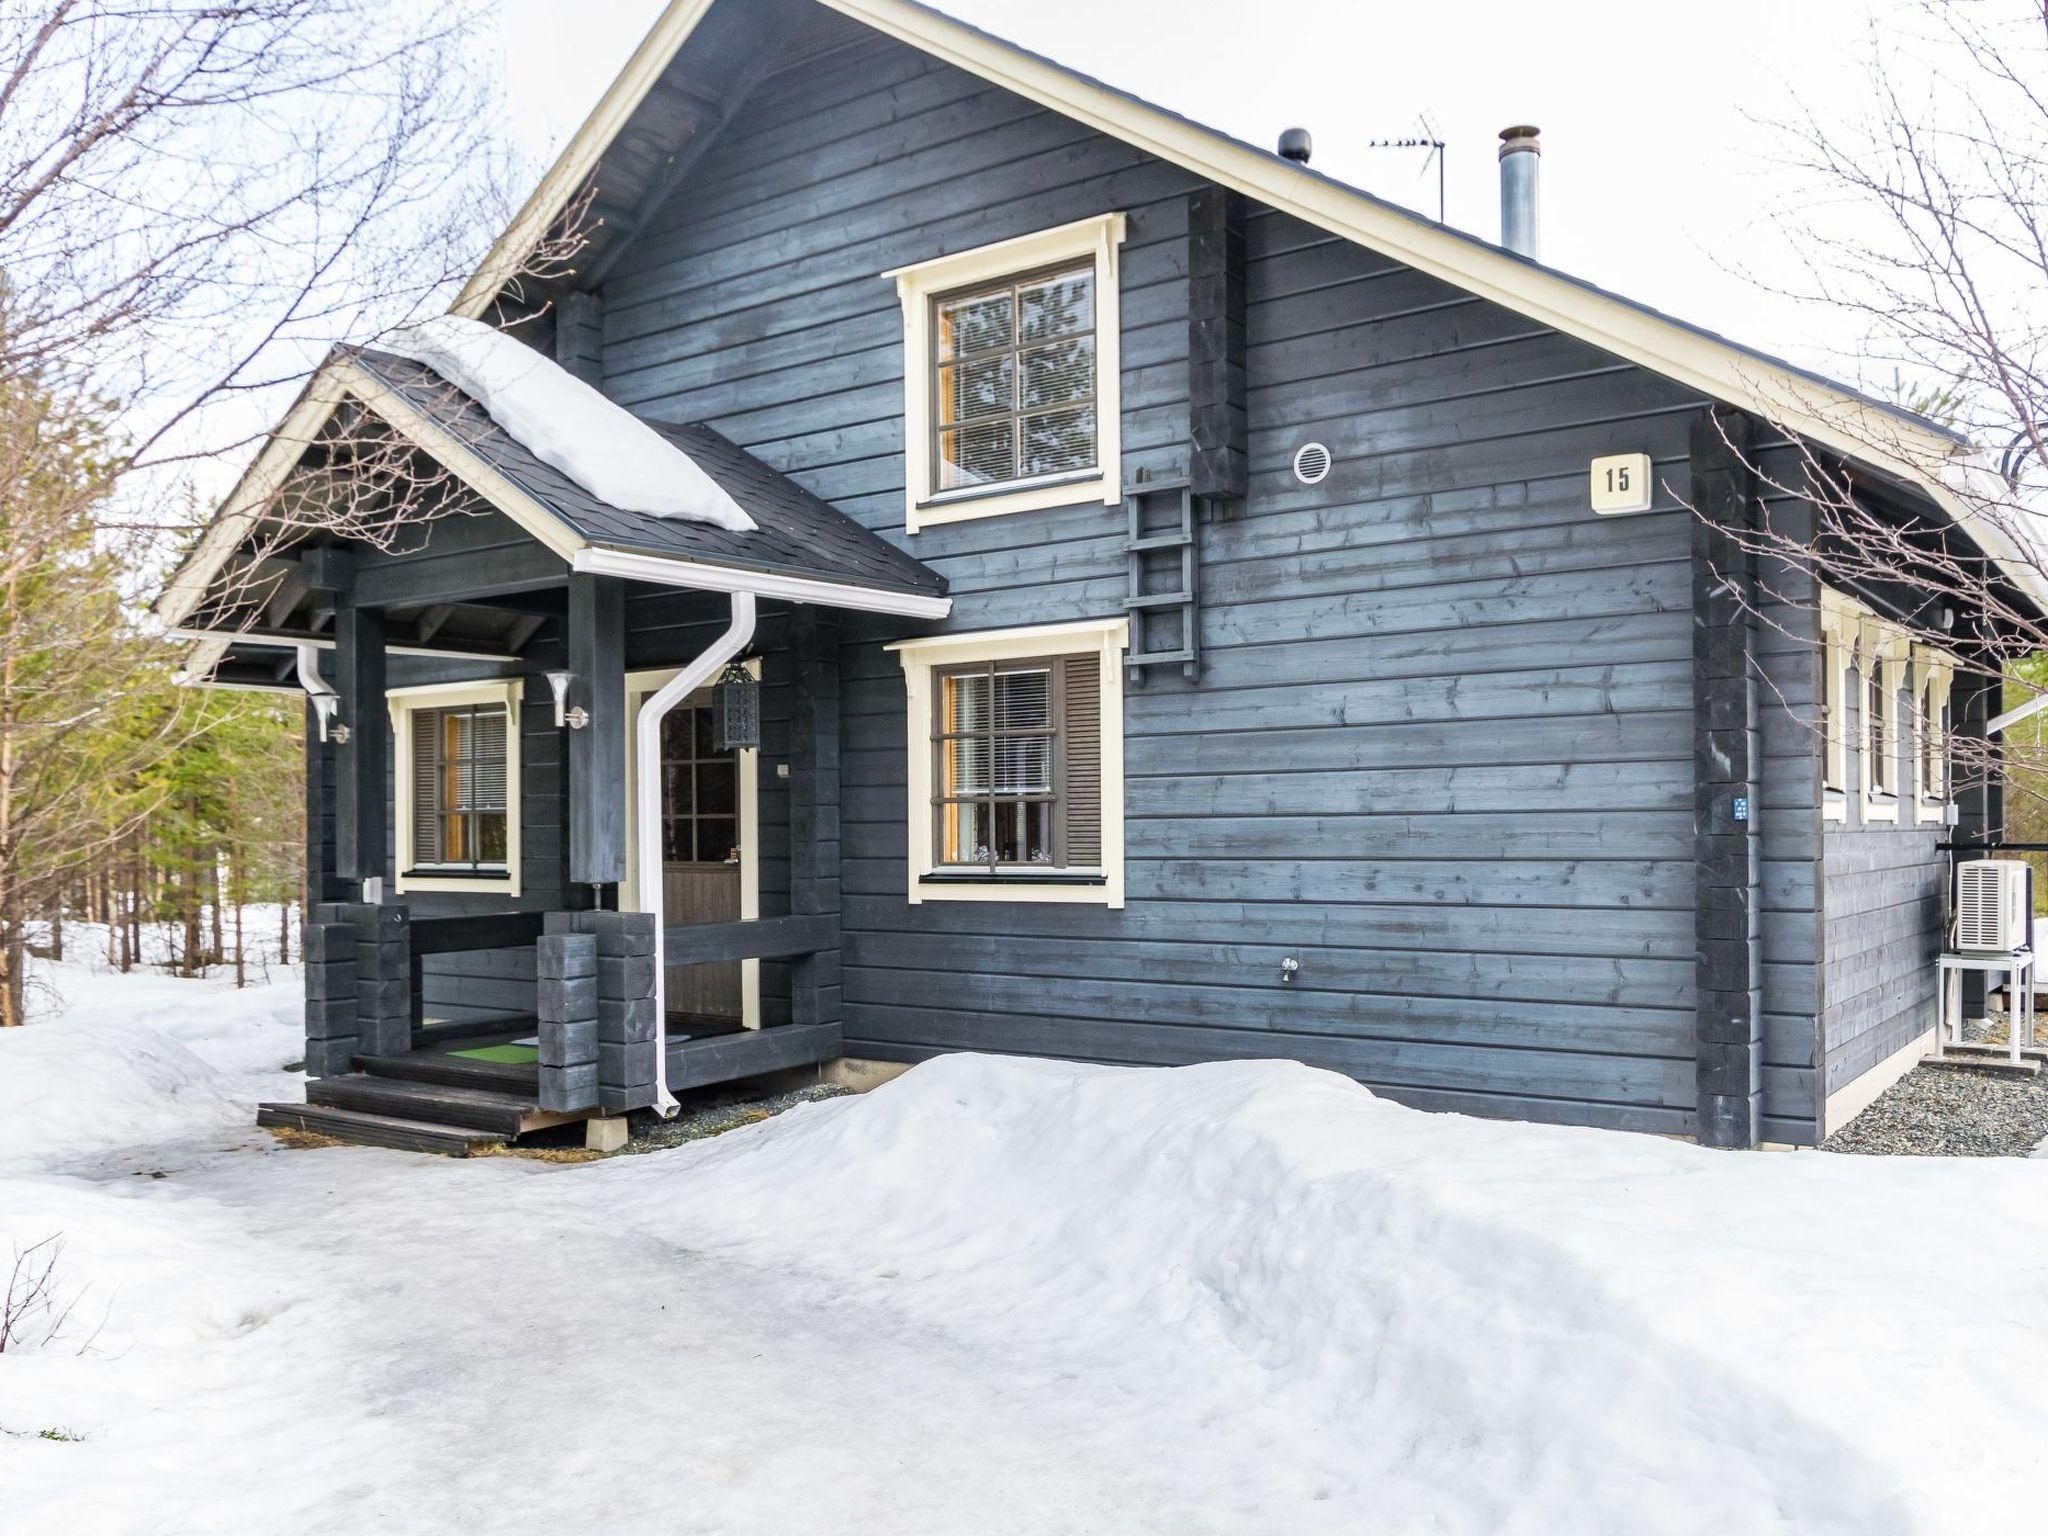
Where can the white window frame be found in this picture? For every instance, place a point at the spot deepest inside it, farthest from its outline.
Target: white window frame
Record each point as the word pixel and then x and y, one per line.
pixel 1883 650
pixel 918 285
pixel 1106 639
pixel 402 703
pixel 1933 678
pixel 1839 627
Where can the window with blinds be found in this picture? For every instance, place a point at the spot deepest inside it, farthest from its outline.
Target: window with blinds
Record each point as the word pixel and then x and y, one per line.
pixel 1017 752
pixel 459 787
pixel 1014 395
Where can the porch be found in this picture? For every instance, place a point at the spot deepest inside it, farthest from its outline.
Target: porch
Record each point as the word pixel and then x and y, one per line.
pixel 454 1086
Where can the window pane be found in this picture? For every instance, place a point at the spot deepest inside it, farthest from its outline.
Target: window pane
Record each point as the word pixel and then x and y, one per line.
pixel 700 729
pixel 974 322
pixel 981 455
pixel 1023 701
pixel 717 788
pixel 455 840
pixel 676 847
pixel 1023 765
pixel 717 838
pixel 964 833
pixel 490 837
pixel 966 766
pixel 1058 305
pixel 966 707
pixel 1060 374
pixel 1024 833
pixel 979 388
pixel 675 734
pixel 1059 441
pixel 677 797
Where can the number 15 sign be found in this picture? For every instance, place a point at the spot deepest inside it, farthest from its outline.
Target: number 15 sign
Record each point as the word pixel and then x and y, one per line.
pixel 1621 483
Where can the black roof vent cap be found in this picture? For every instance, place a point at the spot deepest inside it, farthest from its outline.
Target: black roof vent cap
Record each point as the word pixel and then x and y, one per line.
pixel 1296 145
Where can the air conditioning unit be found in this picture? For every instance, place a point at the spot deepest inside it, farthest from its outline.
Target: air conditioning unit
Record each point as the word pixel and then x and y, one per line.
pixel 1994 900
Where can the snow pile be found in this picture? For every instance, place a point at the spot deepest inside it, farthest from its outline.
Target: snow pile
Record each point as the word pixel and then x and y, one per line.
pixel 603 447
pixel 1455 1324
pixel 111 1062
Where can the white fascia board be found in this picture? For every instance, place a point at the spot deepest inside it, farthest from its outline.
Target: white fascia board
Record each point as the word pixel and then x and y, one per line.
pixel 258 637
pixel 669 572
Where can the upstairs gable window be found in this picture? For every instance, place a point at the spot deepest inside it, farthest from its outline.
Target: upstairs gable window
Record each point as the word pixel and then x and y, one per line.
pixel 1014 371
pixel 1011 376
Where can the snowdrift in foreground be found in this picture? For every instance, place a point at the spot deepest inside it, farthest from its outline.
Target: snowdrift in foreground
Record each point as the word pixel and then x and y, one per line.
pixel 111 1063
pixel 1468 1325
pixel 602 446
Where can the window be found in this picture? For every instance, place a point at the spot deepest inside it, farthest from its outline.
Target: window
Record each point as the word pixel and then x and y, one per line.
pixel 458 786
pixel 1933 674
pixel 1015 371
pixel 1016 764
pixel 458 764
pixel 700 791
pixel 1010 371
pixel 1877 714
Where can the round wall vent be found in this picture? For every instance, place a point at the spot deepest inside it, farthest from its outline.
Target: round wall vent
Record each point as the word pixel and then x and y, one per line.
pixel 1311 463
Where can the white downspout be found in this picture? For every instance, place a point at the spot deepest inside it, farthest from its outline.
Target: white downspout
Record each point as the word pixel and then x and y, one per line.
pixel 324 698
pixel 647 810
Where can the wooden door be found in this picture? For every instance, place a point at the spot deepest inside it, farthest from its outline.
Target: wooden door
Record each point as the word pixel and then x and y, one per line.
pixel 700 839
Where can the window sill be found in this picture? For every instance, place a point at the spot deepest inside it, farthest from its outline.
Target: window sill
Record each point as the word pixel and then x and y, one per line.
pixel 964 506
pixel 1880 805
pixel 501 883
pixel 1092 888
pixel 1834 805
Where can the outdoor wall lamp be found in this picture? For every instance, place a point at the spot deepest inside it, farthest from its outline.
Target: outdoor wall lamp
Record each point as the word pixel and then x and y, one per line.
pixel 576 718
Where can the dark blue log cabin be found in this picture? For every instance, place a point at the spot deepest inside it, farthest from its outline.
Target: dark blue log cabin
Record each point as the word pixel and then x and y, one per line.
pixel 1182 624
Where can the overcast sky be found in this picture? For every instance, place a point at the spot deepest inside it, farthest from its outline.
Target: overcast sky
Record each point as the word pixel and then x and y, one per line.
pixel 1662 167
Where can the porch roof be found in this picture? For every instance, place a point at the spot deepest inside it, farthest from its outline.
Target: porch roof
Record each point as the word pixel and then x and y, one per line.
pixel 797 535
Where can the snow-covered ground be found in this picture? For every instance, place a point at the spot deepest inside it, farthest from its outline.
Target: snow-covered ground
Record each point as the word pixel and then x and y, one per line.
pixel 993 1296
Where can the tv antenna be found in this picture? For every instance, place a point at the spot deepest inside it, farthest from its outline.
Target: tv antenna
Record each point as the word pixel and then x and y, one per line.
pixel 1426 139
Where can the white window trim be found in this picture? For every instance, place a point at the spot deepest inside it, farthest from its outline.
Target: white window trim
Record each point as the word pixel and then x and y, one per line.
pixel 1839 617
pixel 917 285
pixel 1107 639
pixel 638 686
pixel 1883 648
pixel 1933 675
pixel 402 702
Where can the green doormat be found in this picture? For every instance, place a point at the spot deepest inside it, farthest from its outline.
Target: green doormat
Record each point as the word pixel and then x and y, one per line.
pixel 512 1055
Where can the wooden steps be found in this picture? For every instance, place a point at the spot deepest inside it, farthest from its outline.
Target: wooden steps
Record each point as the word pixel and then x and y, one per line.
pixel 372 1130
pixel 479 1109
pixel 455 1072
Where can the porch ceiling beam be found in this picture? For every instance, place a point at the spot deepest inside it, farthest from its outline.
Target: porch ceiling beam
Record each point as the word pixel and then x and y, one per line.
pixel 432 620
pixel 455 579
pixel 524 627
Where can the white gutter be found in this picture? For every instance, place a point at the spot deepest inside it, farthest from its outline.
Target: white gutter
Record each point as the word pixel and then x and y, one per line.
pixel 271 641
pixel 668 572
pixel 647 811
pixel 1997 723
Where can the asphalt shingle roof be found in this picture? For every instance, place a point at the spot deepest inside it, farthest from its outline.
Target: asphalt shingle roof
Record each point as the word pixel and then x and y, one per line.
pixel 798 534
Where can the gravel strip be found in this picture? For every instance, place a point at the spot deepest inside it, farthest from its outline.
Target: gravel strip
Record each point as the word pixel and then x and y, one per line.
pixel 714 1111
pixel 1950 1112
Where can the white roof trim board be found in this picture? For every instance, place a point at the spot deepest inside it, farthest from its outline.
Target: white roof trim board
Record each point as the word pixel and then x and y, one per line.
pixel 1895 442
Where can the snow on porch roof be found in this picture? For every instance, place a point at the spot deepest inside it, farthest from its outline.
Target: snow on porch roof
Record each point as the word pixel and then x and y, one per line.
pixel 797 535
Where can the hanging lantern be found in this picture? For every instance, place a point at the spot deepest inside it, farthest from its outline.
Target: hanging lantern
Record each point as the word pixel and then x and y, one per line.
pixel 735 711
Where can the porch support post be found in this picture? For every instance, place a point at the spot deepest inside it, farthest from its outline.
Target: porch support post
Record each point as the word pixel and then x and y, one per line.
pixel 597 753
pixel 1727 756
pixel 360 777
pixel 814 810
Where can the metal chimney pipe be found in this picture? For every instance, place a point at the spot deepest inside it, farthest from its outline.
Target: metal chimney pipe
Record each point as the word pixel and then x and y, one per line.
pixel 1521 158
